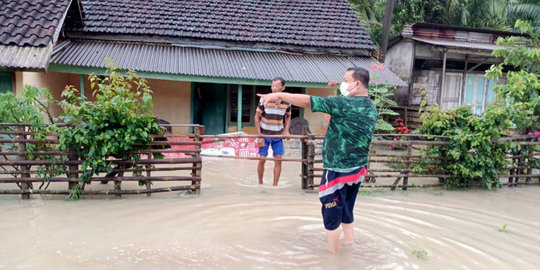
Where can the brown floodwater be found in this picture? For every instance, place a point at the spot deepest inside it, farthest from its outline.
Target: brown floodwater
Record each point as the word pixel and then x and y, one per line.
pixel 237 224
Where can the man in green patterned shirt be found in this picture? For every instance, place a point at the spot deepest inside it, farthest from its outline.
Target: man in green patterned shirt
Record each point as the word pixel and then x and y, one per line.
pixel 345 149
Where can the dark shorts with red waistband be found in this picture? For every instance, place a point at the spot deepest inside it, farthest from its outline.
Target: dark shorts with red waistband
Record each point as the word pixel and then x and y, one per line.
pixel 337 193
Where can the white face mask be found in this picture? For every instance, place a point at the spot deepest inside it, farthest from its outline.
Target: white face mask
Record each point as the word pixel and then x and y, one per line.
pixel 344 89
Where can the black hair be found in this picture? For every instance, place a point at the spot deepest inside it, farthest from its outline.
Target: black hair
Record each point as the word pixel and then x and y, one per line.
pixel 279 79
pixel 360 74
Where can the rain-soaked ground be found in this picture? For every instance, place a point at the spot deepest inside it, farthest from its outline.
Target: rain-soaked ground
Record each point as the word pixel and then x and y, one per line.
pixel 237 224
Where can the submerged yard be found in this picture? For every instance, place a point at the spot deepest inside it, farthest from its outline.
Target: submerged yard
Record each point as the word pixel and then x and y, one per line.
pixel 237 224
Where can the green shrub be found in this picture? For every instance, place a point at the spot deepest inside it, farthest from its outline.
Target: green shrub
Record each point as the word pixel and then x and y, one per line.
pixel 473 152
pixel 117 122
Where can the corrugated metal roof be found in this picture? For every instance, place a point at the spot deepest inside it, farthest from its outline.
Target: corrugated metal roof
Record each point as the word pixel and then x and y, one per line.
pixel 25 57
pixel 459 44
pixel 462 28
pixel 245 64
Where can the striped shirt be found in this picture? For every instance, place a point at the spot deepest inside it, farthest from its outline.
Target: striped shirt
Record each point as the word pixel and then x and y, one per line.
pixel 273 116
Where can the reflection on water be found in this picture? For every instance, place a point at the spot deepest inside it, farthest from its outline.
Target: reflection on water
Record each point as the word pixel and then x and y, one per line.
pixel 237 224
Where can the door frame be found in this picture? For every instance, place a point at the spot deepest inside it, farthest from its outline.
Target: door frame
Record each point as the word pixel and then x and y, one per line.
pixel 459 91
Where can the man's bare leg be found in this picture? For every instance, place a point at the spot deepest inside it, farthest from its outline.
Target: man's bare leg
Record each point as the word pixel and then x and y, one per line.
pixel 260 169
pixel 333 240
pixel 277 169
pixel 348 230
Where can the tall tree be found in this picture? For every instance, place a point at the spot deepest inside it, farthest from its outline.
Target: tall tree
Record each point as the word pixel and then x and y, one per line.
pixel 527 10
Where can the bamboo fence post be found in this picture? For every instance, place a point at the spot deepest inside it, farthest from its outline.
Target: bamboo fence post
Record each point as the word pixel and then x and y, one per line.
pixel 72 168
pixel 518 170
pixel 527 162
pixel 522 161
pixel 510 174
pixel 25 186
pixel 407 167
pixel 515 162
pixel 305 170
pixel 512 171
pixel 118 183
pixel 369 178
pixel 311 159
pixel 197 172
pixel 394 185
pixel 148 174
pixel 406 116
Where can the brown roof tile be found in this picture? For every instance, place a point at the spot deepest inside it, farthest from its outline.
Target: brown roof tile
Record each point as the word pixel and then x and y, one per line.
pixel 317 23
pixel 30 23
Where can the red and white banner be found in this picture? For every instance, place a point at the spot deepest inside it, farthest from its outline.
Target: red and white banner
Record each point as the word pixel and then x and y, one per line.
pixel 240 147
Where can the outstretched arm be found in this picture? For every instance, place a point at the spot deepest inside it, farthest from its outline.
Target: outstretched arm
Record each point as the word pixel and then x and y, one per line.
pixel 299 100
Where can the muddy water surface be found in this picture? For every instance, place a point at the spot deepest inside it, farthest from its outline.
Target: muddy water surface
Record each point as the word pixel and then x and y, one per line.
pixel 237 224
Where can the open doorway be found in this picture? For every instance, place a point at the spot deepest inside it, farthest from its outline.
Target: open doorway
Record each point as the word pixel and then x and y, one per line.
pixel 209 106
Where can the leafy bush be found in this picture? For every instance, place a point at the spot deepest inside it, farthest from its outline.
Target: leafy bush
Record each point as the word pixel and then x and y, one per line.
pixel 382 99
pixel 522 87
pixel 30 108
pixel 473 152
pixel 117 122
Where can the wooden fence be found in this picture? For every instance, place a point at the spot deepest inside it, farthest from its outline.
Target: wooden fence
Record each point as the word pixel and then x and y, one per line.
pixel 397 165
pixel 384 163
pixel 409 115
pixel 17 167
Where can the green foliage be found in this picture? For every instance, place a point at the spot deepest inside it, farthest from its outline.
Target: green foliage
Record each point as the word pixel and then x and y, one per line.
pixel 371 14
pixel 30 108
pixel 473 152
pixel 522 87
pixel 118 121
pixel 527 10
pixel 420 254
pixel 482 13
pixel 503 229
pixel 382 99
pixel 411 11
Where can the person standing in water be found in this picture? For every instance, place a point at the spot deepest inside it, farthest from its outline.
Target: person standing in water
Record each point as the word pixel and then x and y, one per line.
pixel 272 118
pixel 345 149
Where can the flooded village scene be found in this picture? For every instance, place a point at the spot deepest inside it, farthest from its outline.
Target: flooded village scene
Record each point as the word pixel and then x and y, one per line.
pixel 258 134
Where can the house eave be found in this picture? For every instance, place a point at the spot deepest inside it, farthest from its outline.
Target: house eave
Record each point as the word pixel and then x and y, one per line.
pixel 195 42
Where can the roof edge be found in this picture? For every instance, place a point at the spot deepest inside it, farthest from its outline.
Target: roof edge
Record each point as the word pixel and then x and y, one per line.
pixel 463 28
pixel 221 43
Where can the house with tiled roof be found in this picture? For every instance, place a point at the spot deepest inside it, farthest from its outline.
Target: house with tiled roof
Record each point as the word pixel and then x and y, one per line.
pixel 28 32
pixel 205 59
